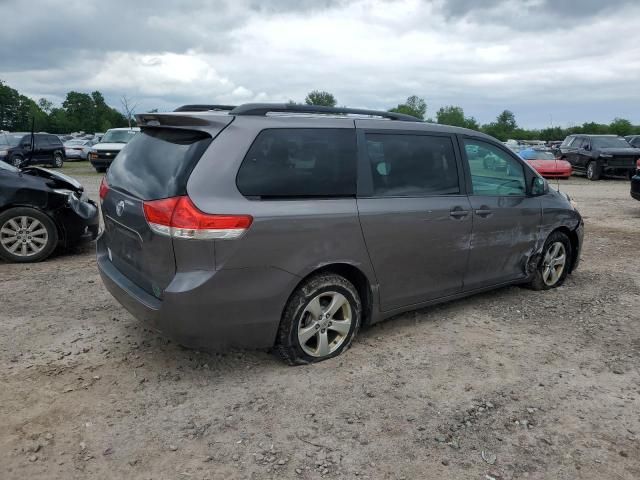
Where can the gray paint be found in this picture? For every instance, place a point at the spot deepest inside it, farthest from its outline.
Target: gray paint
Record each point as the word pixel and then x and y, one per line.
pixel 411 250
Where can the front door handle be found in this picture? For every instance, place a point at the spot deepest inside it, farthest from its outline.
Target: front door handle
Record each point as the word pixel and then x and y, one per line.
pixel 483 212
pixel 458 212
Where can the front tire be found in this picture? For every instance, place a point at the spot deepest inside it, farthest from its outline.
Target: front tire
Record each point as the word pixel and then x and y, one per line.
pixel 320 321
pixel 593 172
pixel 17 161
pixel 58 160
pixel 26 235
pixel 554 266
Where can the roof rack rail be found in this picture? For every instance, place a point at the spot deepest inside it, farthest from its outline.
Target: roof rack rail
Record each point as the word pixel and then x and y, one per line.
pixel 264 108
pixel 203 108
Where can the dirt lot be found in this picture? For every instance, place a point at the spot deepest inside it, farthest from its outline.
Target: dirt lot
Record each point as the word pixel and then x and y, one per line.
pixel 509 384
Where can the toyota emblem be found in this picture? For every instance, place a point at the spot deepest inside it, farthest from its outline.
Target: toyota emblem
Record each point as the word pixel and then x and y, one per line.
pixel 120 208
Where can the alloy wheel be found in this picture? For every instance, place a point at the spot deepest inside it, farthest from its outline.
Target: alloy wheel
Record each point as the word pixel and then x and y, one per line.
pixel 325 324
pixel 23 236
pixel 553 264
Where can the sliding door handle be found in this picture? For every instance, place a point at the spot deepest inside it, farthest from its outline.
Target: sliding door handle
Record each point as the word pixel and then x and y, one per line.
pixel 483 212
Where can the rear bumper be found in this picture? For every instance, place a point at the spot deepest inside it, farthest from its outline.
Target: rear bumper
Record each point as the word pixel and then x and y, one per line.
pixel 213 310
pixel 101 163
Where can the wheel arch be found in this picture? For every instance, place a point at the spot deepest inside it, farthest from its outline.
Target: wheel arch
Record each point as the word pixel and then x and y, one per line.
pixel 352 273
pixel 573 239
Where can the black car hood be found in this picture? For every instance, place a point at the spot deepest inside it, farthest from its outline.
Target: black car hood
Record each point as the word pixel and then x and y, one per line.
pixel 621 152
pixel 60 180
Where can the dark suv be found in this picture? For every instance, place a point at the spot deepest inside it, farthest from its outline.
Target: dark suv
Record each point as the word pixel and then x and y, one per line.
pixel 292 226
pixel 596 155
pixel 15 148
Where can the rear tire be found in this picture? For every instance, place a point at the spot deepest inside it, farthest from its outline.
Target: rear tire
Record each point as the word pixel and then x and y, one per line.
pixel 30 240
pixel 593 172
pixel 320 321
pixel 552 269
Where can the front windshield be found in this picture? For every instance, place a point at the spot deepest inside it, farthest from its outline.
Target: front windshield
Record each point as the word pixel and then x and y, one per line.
pixel 610 142
pixel 14 138
pixel 538 155
pixel 118 136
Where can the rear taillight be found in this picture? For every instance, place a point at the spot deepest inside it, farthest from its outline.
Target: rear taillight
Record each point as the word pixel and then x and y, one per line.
pixel 638 164
pixel 104 188
pixel 178 217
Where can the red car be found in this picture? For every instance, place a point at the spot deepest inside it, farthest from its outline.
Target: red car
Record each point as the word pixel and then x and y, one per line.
pixel 546 164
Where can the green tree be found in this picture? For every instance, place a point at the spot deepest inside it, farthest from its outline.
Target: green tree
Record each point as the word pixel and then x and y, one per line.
pixel 621 126
pixel 17 111
pixel 45 105
pixel 453 115
pixel 81 111
pixel 504 126
pixel 320 97
pixel 414 106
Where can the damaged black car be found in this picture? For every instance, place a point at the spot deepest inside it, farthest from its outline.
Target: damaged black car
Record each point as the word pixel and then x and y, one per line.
pixel 40 211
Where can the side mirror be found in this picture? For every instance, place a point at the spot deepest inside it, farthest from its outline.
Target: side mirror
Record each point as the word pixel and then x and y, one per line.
pixel 539 186
pixel 587 147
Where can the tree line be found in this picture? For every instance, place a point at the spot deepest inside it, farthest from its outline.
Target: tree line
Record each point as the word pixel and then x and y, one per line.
pixel 87 112
pixel 503 127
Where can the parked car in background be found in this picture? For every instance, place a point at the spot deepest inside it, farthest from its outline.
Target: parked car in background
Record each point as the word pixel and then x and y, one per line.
pixel 103 153
pixel 247 229
pixel 78 149
pixel 546 164
pixel 16 149
pixel 597 155
pixel 634 140
pixel 635 183
pixel 41 210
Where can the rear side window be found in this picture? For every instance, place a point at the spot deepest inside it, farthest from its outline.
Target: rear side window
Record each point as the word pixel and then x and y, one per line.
pixel 55 141
pixel 157 163
pixel 412 165
pixel 291 163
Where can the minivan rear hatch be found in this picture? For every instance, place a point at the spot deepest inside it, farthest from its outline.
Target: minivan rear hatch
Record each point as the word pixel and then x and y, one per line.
pixel 154 165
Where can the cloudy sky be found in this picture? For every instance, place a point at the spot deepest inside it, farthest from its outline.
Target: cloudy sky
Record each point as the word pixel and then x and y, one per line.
pixel 560 61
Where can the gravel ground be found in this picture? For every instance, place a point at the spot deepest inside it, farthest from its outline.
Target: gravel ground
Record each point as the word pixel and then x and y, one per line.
pixel 504 385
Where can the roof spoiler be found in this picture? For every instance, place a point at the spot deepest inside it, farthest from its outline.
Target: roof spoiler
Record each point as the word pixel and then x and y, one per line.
pixel 262 109
pixel 204 108
pixel 172 120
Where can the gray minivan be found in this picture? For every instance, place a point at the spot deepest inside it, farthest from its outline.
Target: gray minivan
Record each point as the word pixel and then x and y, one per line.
pixel 291 226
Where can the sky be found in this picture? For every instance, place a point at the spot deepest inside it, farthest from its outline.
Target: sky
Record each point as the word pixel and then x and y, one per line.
pixel 552 62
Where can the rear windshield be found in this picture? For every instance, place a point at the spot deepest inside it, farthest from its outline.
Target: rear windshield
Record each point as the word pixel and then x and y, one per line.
pixel 156 163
